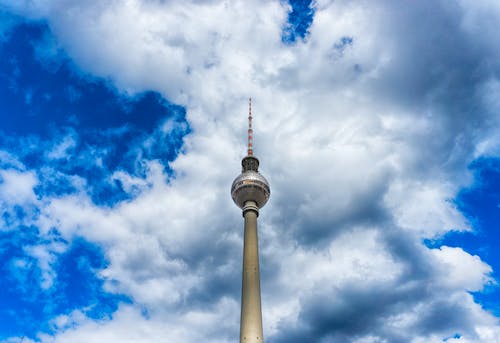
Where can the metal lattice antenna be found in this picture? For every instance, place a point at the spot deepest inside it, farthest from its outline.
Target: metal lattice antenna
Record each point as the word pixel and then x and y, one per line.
pixel 250 131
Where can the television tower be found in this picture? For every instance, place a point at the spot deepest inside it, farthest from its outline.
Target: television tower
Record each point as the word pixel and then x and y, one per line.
pixel 250 191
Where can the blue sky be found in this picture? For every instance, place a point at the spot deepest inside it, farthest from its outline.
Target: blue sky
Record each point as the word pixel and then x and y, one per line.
pixel 47 102
pixel 481 204
pixel 122 127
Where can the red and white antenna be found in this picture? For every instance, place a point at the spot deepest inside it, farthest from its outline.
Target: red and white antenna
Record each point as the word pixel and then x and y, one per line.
pixel 250 131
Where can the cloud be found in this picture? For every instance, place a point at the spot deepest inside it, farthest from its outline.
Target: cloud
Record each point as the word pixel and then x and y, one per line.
pixel 17 186
pixel 61 150
pixel 364 150
pixel 129 325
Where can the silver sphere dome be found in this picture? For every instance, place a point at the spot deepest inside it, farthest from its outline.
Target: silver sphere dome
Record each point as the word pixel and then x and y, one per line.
pixel 250 186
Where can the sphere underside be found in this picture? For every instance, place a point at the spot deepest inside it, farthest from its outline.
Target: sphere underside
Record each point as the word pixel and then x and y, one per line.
pixel 250 186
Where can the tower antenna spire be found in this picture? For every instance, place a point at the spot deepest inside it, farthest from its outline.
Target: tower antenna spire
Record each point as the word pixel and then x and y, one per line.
pixel 250 131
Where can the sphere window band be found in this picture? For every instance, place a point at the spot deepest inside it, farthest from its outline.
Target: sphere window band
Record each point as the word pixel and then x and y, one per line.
pixel 251 183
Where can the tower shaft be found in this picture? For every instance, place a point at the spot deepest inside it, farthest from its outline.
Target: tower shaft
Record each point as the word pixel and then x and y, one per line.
pixel 251 313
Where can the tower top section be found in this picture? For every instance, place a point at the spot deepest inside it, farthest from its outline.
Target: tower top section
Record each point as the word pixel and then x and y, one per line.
pixel 250 162
pixel 250 185
pixel 250 130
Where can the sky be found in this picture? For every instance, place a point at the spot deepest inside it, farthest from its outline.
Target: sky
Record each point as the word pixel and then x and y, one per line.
pixel 122 127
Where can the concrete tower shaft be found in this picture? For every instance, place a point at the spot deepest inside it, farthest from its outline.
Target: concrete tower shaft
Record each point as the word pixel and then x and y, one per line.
pixel 251 312
pixel 250 191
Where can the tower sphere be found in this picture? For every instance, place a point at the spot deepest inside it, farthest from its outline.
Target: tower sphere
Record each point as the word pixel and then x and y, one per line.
pixel 250 185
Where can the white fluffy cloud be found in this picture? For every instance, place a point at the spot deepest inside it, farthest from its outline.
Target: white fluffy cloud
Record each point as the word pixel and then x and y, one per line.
pixel 365 143
pixel 17 186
